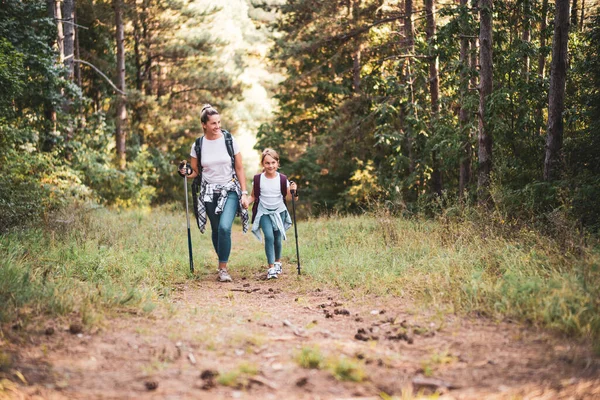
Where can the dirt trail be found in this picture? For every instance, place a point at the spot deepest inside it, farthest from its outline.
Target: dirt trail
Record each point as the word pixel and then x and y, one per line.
pixel 252 324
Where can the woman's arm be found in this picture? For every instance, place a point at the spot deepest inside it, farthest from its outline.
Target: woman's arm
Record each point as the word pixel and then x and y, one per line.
pixel 239 170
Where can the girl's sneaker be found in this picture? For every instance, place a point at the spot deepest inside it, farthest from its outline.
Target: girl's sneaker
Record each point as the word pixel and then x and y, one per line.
pixel 278 267
pixel 272 273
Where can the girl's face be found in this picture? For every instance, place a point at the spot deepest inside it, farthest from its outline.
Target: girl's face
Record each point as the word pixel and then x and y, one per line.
pixel 213 125
pixel 270 164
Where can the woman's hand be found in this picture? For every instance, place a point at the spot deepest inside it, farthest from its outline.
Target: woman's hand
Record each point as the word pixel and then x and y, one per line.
pixel 184 169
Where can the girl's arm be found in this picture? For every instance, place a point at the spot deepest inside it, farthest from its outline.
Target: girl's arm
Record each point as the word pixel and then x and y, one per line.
pixel 293 187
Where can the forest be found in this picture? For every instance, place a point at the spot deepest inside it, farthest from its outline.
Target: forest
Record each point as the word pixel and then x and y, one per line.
pixel 426 107
pixel 445 237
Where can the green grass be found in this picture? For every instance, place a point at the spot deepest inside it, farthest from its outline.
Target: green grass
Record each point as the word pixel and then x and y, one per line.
pixel 310 357
pixel 460 266
pixel 105 259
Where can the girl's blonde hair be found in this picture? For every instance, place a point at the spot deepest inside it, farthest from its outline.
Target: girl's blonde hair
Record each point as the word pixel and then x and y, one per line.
pixel 269 152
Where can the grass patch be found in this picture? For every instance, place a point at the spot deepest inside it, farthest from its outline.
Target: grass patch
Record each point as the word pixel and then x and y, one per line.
pixel 345 369
pixel 458 266
pixel 105 259
pixel 341 368
pixel 310 358
pixel 238 377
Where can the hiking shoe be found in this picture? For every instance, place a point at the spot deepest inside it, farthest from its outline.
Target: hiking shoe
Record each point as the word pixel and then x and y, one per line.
pixel 272 273
pixel 278 267
pixel 224 276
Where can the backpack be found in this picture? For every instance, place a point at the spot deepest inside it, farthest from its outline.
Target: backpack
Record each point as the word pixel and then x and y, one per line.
pixel 256 191
pixel 198 180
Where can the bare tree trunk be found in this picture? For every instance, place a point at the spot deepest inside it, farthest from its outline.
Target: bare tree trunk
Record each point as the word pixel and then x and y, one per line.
pixel 574 15
pixel 463 115
pixel 137 38
pixel 356 62
pixel 581 21
pixel 54 12
pixel 556 94
pixel 77 67
pixel 68 13
pixel 543 27
pixel 121 117
pixel 409 45
pixel 434 91
pixel 526 35
pixel 485 90
pixel 148 65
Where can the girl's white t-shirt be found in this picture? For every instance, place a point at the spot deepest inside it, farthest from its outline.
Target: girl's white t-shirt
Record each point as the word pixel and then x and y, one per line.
pixel 270 191
pixel 216 163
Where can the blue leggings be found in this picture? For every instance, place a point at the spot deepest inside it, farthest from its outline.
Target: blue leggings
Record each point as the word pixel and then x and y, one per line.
pixel 221 224
pixel 272 239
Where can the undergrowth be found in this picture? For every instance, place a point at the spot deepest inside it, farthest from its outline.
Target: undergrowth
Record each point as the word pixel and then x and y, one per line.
pixel 91 261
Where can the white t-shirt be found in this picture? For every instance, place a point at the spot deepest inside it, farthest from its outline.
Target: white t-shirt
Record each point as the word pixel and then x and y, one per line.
pixel 216 163
pixel 270 192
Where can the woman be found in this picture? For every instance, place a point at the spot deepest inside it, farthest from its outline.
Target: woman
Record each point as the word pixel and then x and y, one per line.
pixel 223 192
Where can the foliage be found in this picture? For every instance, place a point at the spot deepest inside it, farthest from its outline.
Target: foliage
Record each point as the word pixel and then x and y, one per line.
pixel 351 146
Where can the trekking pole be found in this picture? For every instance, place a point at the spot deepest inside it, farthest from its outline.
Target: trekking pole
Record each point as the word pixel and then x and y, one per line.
pixel 187 215
pixel 295 228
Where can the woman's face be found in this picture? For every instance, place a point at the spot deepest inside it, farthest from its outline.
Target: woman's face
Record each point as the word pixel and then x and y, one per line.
pixel 270 164
pixel 213 125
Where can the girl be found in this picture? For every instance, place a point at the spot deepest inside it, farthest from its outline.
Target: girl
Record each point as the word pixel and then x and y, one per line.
pixel 269 211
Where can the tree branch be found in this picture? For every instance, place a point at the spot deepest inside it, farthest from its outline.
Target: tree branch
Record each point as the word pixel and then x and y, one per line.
pixel 102 75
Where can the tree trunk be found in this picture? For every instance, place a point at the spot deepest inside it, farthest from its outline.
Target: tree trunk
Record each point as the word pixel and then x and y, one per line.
pixel 543 27
pixel 76 66
pixel 356 64
pixel 137 38
pixel 463 115
pixel 556 94
pixel 526 35
pixel 68 13
pixel 574 15
pixel 121 116
pixel 485 90
pixel 434 91
pixel 409 45
pixel 54 12
pixel 582 15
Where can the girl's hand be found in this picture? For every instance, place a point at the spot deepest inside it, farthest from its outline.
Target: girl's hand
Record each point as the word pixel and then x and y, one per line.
pixel 294 188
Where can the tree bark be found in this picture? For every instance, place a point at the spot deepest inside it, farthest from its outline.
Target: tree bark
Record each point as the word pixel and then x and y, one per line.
pixel 574 15
pixel 556 94
pixel 54 12
pixel 121 115
pixel 485 90
pixel 581 21
pixel 543 27
pixel 463 115
pixel 434 90
pixel 356 64
pixel 409 45
pixel 76 67
pixel 526 35
pixel 68 14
